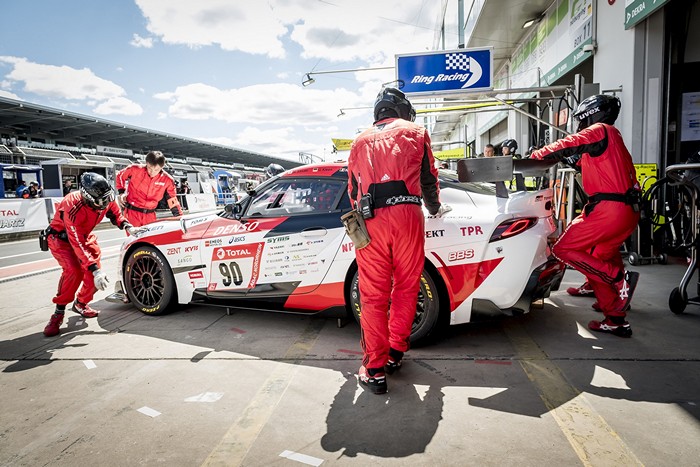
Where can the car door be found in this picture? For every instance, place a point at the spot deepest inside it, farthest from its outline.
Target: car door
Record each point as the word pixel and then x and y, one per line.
pixel 293 232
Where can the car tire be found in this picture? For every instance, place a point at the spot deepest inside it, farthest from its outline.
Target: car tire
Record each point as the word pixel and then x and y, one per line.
pixel 427 320
pixel 149 281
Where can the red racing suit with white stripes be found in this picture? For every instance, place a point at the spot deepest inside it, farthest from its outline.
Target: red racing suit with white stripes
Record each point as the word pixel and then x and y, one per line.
pixel 75 247
pixel 606 168
pixel 143 193
pixel 394 163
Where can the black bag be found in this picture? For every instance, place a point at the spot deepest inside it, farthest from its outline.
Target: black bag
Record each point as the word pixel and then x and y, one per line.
pixel 44 239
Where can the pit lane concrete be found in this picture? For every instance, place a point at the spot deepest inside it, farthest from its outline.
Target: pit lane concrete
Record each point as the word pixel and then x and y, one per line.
pixel 200 387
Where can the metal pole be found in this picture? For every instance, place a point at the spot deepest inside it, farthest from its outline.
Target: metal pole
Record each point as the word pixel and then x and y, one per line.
pixel 518 109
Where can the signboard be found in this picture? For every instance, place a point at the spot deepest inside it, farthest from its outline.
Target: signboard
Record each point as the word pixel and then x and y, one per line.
pixel 114 151
pixel 637 10
pixel 193 160
pixel 446 71
pixel 22 215
pixel 342 144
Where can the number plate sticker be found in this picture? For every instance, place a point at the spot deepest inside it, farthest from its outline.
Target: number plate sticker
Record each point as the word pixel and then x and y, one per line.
pixel 235 267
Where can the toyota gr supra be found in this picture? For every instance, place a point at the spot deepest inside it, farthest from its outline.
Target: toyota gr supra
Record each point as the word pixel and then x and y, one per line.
pixel 284 248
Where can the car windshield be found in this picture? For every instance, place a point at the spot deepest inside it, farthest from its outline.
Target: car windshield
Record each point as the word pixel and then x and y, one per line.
pixel 298 196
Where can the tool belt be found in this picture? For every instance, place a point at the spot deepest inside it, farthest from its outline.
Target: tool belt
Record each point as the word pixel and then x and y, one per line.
pixel 60 234
pixel 391 194
pixel 137 209
pixel 44 237
pixel 631 197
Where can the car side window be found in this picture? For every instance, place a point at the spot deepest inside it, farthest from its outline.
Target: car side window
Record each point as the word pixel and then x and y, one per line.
pixel 296 196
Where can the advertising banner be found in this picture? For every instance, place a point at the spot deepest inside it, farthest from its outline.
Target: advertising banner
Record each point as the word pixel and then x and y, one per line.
pixel 21 215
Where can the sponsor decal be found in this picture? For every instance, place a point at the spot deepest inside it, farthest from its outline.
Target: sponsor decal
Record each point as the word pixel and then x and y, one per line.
pixel 471 230
pixel 213 242
pixel 296 244
pixel 154 228
pixel 231 252
pixel 184 260
pixel 172 251
pixel 236 239
pixel 212 286
pixel 460 255
pixel 278 239
pixel 191 248
pixel 10 224
pixel 196 275
pixel 193 222
pixel 237 228
pixel 434 233
pixel 311 242
pixel 8 212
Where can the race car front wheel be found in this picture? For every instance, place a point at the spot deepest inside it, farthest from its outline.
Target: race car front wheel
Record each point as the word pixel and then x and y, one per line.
pixel 427 308
pixel 149 280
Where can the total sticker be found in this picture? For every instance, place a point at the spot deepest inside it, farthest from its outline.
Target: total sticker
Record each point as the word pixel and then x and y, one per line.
pixel 236 267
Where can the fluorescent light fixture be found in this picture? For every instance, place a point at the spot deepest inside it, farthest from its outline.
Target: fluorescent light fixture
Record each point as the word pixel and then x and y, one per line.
pixel 532 21
pixel 307 80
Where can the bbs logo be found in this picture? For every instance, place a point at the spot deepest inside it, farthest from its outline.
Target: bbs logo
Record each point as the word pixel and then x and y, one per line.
pixel 460 255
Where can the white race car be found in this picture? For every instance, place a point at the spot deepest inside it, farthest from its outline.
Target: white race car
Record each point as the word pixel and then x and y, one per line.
pixel 284 248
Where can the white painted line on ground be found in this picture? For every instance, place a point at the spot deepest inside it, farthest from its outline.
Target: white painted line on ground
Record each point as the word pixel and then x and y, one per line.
pixel 206 397
pixel 584 332
pixel 89 364
pixel 604 378
pixel 303 458
pixel 148 411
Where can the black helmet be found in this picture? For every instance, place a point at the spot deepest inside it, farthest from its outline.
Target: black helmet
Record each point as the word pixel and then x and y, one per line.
pixel 391 100
pixel 96 191
pixel 599 108
pixel 511 144
pixel 273 169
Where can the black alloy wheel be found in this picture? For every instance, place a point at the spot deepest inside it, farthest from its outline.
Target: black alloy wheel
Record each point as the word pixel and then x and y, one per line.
pixel 149 281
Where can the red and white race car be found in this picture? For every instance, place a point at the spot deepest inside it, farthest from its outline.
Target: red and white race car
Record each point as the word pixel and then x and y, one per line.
pixel 284 248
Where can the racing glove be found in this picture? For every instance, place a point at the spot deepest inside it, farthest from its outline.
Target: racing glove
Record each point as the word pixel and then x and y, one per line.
pixel 444 209
pixel 135 231
pixel 101 279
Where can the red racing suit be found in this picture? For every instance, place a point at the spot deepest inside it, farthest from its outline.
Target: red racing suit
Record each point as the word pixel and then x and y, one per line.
pixel 75 247
pixel 143 193
pixel 394 163
pixel 606 169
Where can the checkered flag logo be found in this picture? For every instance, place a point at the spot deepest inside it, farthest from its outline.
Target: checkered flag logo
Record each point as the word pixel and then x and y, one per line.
pixel 457 61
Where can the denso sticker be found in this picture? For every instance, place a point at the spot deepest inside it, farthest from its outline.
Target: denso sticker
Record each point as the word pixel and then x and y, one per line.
pixel 235 267
pixel 236 228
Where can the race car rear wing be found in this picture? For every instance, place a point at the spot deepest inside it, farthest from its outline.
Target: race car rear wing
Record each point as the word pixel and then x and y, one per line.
pixel 500 169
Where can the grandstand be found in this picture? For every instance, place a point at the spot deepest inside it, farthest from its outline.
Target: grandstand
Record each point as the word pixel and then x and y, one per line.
pixel 30 133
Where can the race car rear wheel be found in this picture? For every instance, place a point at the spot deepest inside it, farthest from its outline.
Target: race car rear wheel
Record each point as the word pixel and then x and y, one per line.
pixel 427 308
pixel 149 280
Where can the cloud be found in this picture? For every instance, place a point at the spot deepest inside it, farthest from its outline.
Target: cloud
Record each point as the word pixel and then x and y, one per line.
pixel 118 105
pixel 61 82
pixel 280 104
pixel 279 142
pixel 9 95
pixel 138 41
pixel 344 31
pixel 251 27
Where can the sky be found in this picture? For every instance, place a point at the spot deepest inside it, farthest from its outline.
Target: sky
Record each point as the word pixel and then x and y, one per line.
pixel 223 71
